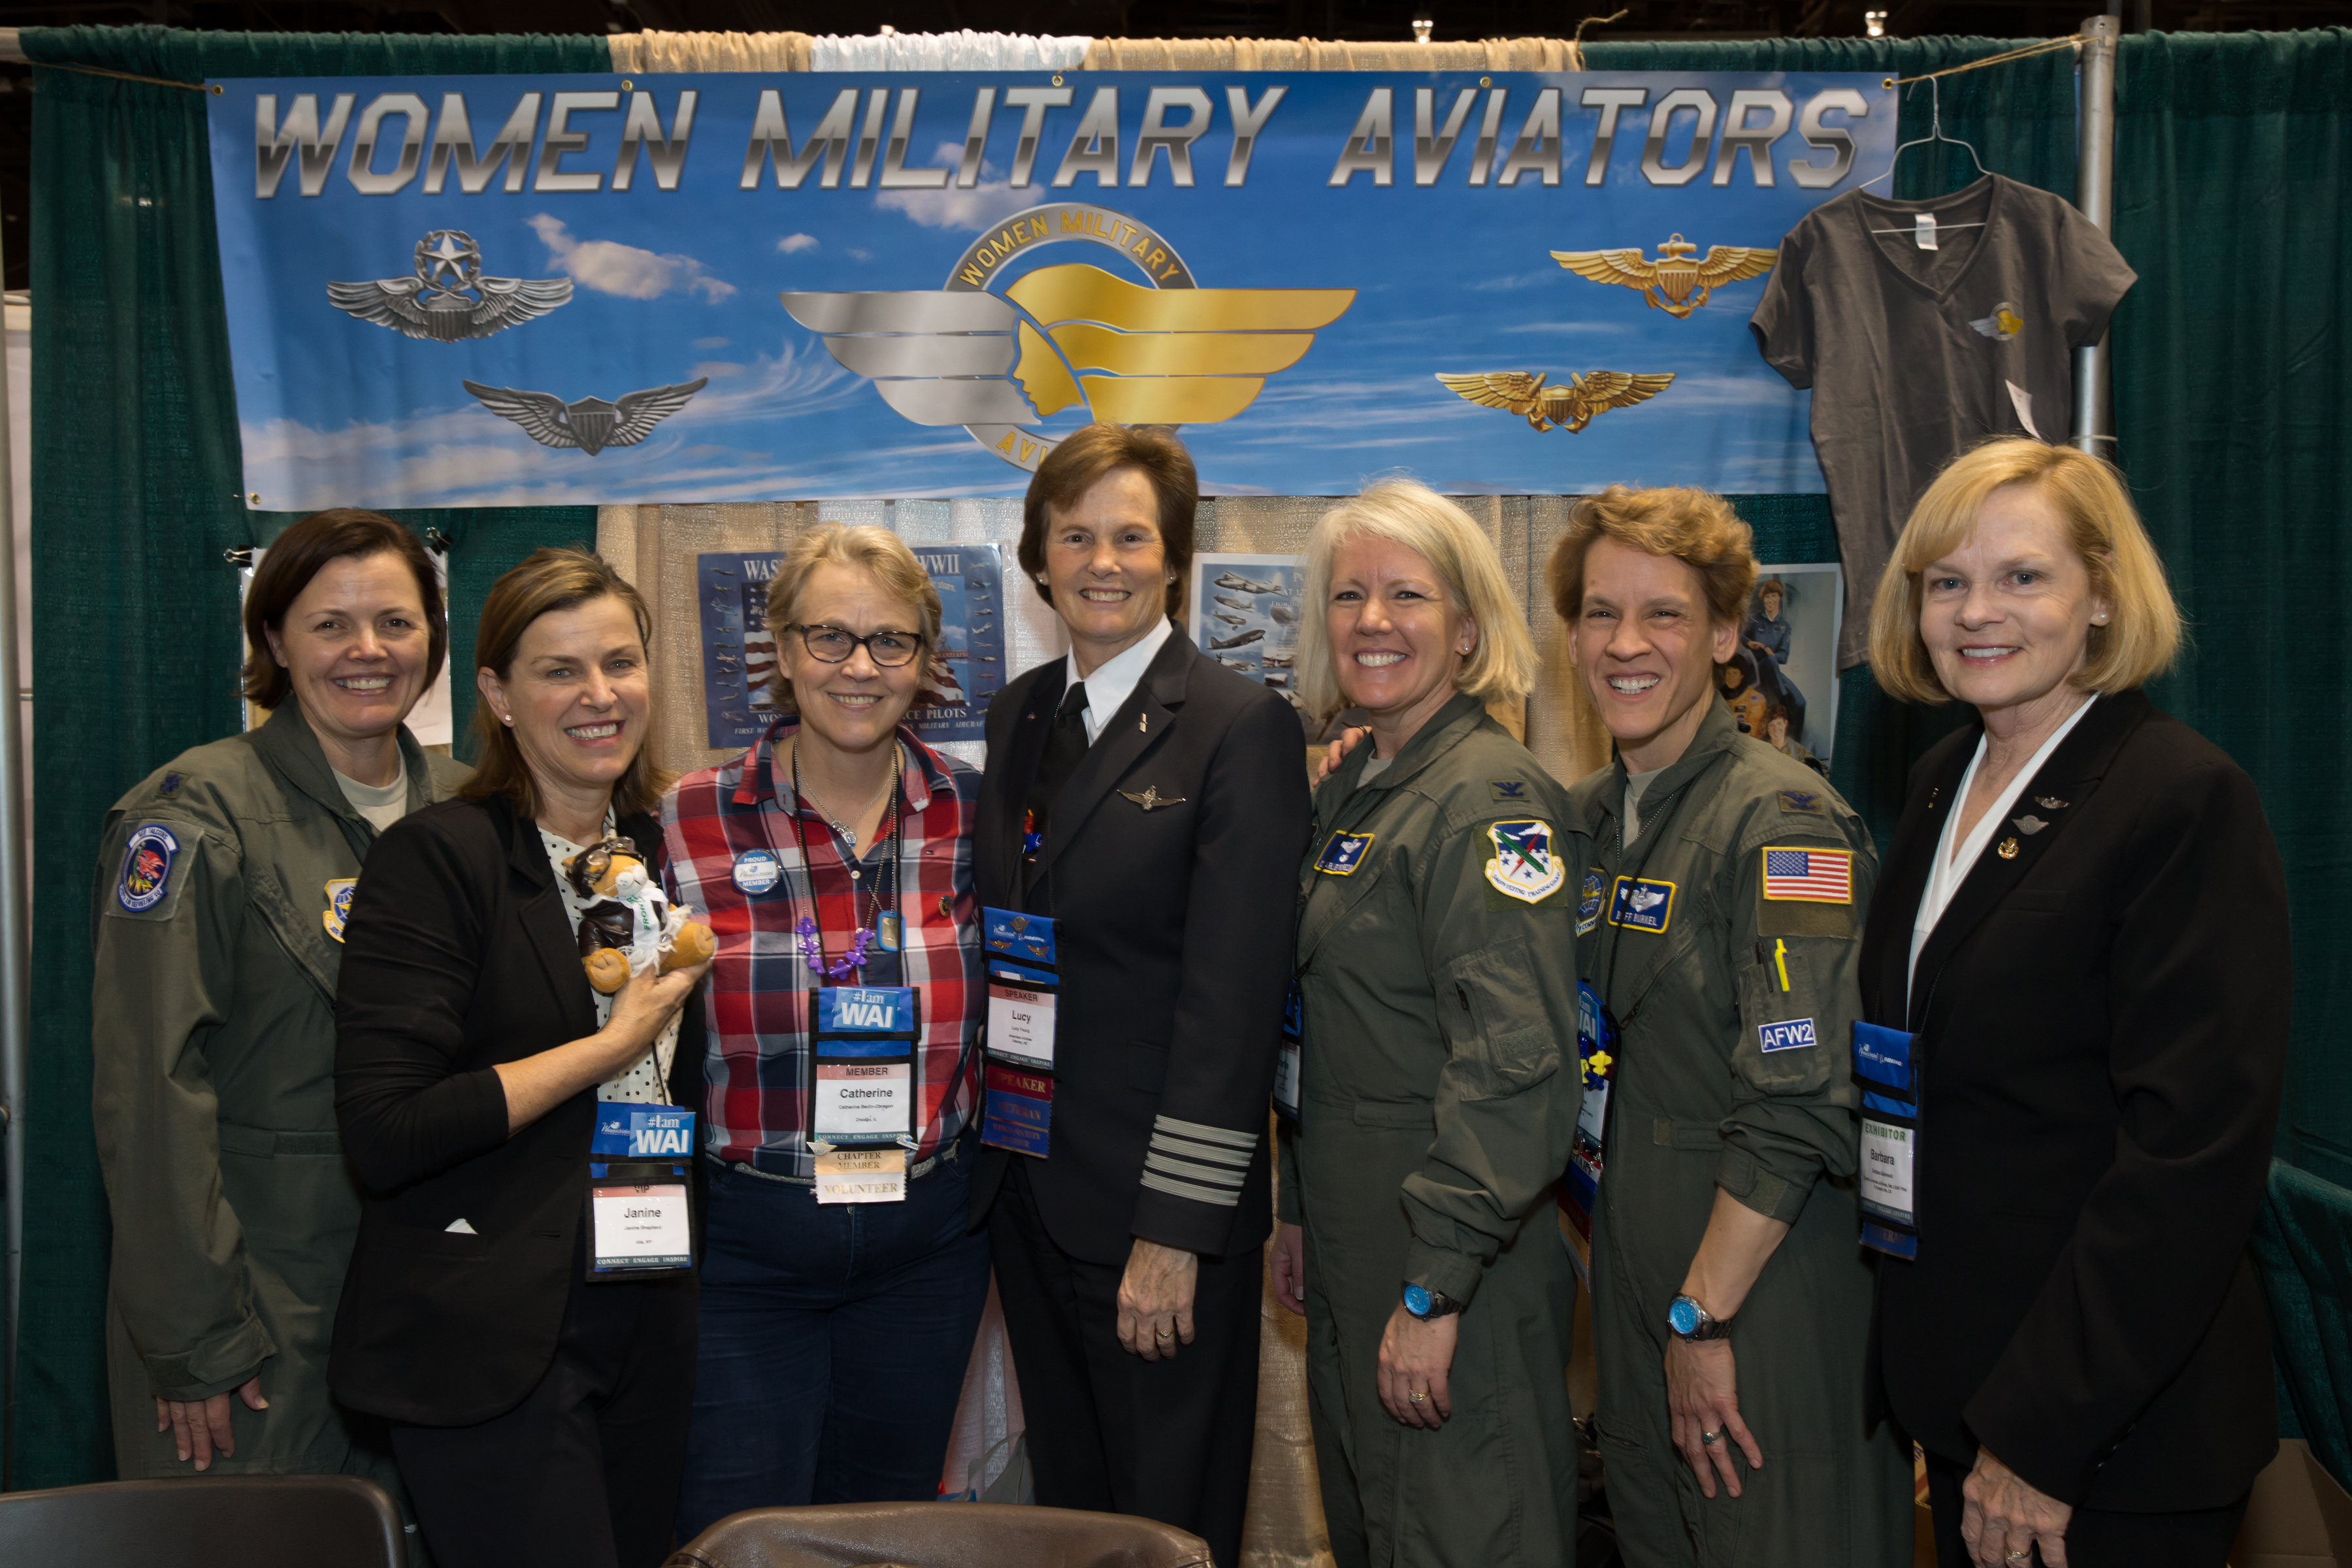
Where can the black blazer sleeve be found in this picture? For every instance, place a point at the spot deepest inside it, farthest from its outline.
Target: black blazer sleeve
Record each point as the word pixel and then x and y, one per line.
pixel 412 963
pixel 1238 950
pixel 2199 988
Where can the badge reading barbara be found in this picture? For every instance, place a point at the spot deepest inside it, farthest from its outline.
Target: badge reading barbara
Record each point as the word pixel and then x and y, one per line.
pixel 1524 866
pixel 146 874
pixel 339 905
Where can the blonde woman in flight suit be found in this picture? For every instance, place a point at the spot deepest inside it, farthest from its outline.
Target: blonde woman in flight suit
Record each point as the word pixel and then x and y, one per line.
pixel 1437 1083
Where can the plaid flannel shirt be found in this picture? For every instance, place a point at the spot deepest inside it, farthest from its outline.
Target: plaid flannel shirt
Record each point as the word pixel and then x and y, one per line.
pixel 755 1107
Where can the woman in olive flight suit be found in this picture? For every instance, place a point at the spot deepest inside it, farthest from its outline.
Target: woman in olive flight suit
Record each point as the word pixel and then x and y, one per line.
pixel 1436 1091
pixel 223 880
pixel 1719 922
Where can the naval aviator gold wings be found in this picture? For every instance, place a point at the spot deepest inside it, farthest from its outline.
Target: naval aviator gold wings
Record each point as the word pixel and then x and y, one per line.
pixel 1066 335
pixel 1673 282
pixel 1570 407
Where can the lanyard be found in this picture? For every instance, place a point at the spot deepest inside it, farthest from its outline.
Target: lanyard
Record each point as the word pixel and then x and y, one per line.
pixel 855 959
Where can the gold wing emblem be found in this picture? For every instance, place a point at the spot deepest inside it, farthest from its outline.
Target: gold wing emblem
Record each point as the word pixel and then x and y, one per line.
pixel 1673 283
pixel 1570 407
pixel 1166 356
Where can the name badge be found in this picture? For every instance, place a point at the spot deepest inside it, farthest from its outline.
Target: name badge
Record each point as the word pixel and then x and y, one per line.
pixel 640 1203
pixel 1019 1111
pixel 1287 1059
pixel 862 1057
pixel 1596 1056
pixel 1638 903
pixel 1020 1016
pixel 1887 1180
pixel 862 1176
pixel 1343 853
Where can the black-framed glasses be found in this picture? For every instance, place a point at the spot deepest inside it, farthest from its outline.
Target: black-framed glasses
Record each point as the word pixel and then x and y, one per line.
pixel 833 644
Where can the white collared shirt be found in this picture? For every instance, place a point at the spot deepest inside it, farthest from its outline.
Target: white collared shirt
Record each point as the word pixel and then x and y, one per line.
pixel 1113 681
pixel 1951 866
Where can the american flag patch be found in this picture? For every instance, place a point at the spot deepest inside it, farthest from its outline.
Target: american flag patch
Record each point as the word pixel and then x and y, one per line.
pixel 1809 876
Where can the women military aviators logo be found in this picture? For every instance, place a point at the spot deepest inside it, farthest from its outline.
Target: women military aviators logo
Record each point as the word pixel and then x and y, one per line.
pixel 999 361
pixel 146 874
pixel 1524 865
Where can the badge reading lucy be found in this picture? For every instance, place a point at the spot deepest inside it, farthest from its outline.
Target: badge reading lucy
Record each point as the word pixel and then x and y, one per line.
pixel 1524 866
pixel 1000 361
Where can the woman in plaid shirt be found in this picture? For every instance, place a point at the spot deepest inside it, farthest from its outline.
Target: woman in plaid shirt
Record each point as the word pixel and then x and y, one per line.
pixel 838 851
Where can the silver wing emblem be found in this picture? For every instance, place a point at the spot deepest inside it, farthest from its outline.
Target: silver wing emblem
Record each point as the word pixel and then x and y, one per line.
pixel 592 424
pixel 448 299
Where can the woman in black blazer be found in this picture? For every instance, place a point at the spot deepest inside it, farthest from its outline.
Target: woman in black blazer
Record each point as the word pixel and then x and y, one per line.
pixel 538 1417
pixel 2080 939
pixel 1154 802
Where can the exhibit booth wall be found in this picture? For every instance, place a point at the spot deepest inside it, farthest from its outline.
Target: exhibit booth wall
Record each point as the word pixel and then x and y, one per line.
pixel 2233 163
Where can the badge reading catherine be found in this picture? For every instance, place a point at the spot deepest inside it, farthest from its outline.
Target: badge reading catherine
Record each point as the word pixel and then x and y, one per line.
pixel 146 873
pixel 1524 866
pixel 1809 876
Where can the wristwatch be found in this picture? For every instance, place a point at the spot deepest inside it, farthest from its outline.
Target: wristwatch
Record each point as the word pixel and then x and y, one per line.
pixel 1425 1303
pixel 1690 1321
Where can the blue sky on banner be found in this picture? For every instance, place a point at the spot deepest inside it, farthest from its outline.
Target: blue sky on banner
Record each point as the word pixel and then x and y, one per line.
pixel 674 277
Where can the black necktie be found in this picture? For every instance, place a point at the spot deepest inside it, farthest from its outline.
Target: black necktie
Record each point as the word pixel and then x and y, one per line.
pixel 1066 748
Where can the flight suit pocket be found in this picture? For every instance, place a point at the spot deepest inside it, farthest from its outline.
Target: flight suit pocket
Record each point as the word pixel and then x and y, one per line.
pixel 1496 1029
pixel 1783 1046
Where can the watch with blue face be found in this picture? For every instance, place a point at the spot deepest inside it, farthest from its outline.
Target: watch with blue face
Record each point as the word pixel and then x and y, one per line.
pixel 1425 1303
pixel 1690 1321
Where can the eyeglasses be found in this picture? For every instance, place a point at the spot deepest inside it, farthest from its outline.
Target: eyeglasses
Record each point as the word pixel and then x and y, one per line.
pixel 833 644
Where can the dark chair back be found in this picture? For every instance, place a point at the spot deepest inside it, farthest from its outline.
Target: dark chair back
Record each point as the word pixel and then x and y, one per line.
pixel 207 1521
pixel 938 1535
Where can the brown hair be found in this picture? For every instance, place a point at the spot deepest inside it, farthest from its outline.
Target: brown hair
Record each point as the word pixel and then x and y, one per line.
pixel 549 581
pixel 300 553
pixel 2143 634
pixel 877 551
pixel 1072 469
pixel 1695 527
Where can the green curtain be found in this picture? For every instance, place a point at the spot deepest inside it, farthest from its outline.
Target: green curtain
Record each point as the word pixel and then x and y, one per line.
pixel 2302 1248
pixel 135 480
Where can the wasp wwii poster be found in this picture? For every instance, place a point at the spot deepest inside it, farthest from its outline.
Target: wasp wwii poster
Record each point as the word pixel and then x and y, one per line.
pixel 514 290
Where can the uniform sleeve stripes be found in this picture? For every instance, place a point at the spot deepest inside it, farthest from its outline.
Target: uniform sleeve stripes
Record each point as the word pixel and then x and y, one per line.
pixel 1204 1163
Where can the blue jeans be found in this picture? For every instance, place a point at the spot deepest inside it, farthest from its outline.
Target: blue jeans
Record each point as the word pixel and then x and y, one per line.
pixel 833 1344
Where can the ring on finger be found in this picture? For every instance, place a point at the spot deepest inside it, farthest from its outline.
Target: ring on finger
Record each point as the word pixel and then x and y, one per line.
pixel 1418 1398
pixel 2017 1556
pixel 1165 1334
pixel 1711 1438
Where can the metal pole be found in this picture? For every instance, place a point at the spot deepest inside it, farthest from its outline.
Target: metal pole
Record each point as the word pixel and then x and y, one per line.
pixel 16 975
pixel 2094 194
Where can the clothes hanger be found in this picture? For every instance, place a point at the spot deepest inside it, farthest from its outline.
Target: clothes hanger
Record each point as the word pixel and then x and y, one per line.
pixel 1935 134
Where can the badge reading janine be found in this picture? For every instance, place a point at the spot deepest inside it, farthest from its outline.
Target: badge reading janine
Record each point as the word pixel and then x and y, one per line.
pixel 641 1224
pixel 639 1207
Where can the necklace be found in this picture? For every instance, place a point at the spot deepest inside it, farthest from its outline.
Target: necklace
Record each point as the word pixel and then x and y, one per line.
pixel 848 836
pixel 812 938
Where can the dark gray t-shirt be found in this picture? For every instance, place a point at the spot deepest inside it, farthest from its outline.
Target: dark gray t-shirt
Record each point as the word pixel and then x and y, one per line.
pixel 1913 355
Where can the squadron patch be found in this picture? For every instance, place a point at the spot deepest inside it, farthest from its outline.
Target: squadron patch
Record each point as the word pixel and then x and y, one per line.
pixel 1524 866
pixel 1587 908
pixel 339 905
pixel 146 874
pixel 1343 854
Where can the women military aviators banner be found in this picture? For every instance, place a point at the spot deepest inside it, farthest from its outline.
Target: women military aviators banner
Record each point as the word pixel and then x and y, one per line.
pixel 499 291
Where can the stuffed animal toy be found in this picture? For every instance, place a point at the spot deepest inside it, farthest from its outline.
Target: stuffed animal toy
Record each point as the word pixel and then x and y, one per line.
pixel 633 926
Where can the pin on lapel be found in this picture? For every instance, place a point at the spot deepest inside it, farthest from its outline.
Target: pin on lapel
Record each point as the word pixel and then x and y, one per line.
pixel 2030 824
pixel 2007 849
pixel 1141 720
pixel 2049 803
pixel 1151 798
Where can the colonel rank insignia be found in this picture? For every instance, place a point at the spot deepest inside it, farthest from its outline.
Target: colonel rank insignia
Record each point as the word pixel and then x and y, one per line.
pixel 1524 865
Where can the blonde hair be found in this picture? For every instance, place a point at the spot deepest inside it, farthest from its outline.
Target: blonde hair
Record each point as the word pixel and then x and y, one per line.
pixel 1695 526
pixel 1502 664
pixel 2143 633
pixel 865 548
